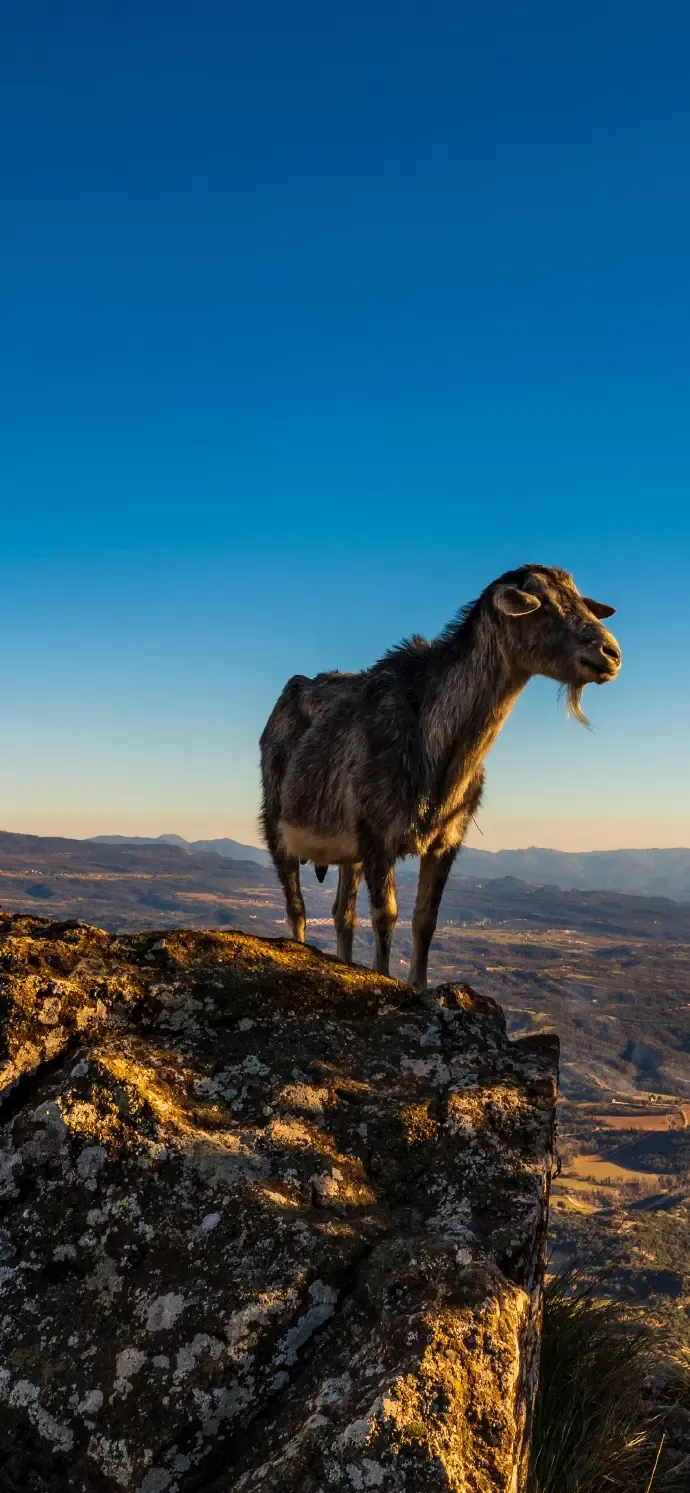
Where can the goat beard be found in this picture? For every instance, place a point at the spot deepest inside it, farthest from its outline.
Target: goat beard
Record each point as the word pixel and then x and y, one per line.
pixel 573 695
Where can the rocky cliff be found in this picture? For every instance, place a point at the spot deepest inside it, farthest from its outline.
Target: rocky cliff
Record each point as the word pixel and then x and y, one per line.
pixel 268 1223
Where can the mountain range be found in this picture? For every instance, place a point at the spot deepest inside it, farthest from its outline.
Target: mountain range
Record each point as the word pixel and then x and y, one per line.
pixel 644 873
pixel 231 848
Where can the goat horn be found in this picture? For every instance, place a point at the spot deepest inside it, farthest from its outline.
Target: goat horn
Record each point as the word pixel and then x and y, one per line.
pixel 599 608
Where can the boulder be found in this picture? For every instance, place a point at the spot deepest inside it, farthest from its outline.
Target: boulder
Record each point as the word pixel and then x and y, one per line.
pixel 269 1223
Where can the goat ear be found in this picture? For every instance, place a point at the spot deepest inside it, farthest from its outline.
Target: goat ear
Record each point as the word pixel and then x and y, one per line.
pixel 514 602
pixel 599 608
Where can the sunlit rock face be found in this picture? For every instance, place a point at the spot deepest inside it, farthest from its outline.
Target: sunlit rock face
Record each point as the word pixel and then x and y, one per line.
pixel 268 1223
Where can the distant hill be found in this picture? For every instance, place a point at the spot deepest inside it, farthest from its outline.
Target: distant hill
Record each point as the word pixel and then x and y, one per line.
pixel 233 849
pixel 157 884
pixel 134 884
pixel 644 873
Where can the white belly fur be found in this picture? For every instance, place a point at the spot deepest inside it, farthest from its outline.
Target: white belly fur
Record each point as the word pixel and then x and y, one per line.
pixel 320 849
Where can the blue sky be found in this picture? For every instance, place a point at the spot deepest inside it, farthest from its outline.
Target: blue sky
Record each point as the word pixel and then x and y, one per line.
pixel 314 320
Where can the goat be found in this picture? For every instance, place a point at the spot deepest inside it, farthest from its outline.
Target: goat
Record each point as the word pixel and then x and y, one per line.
pixel 360 770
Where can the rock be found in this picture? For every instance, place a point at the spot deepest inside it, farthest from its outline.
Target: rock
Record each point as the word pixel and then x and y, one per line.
pixel 269 1223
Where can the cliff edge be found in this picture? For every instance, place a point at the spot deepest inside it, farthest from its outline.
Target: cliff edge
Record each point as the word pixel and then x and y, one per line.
pixel 268 1223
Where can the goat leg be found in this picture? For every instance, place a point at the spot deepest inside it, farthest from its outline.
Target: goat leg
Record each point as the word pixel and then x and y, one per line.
pixel 380 879
pixel 345 908
pixel 434 870
pixel 287 867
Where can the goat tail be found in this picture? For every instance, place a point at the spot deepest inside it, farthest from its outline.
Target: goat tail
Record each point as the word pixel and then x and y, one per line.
pixel 320 872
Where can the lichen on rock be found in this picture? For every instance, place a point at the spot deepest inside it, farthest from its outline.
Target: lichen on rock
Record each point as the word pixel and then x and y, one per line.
pixel 269 1223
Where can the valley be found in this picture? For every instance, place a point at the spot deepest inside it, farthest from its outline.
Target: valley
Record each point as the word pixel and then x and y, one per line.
pixel 609 972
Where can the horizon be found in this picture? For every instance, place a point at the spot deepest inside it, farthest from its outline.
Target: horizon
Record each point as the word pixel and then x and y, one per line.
pixel 466 844
pixel 325 321
pixel 250 845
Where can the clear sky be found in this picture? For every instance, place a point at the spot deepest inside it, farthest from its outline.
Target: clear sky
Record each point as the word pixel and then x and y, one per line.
pixel 315 318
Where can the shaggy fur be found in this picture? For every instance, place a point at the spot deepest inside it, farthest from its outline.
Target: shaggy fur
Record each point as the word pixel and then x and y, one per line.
pixel 361 769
